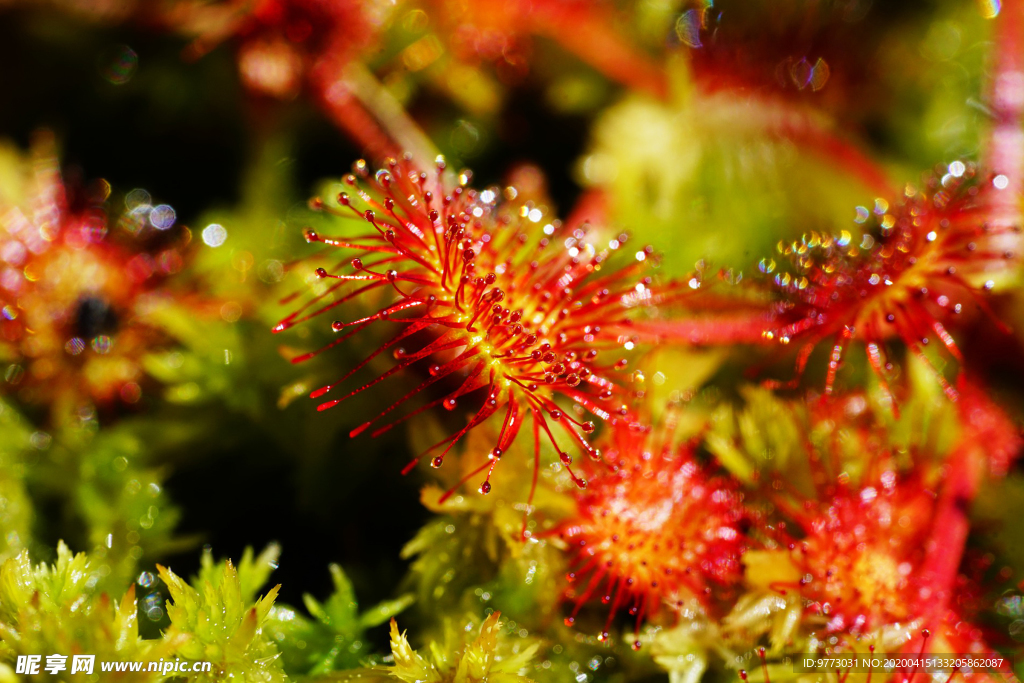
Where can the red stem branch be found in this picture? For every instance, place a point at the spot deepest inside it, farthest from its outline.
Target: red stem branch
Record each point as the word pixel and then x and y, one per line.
pixel 590 35
pixel 1004 153
pixel 989 438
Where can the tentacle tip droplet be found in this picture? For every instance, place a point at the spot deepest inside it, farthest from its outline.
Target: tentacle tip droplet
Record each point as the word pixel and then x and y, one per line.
pixel 358 430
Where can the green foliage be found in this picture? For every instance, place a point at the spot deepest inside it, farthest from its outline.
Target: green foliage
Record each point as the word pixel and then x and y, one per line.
pixel 112 495
pixel 217 617
pixel 675 168
pixel 474 553
pixel 769 434
pixel 222 623
pixel 933 69
pixel 451 554
pixel 765 429
pixel 458 657
pixel 15 506
pixel 57 608
pixel 205 367
pixel 247 268
pixel 335 637
pixel 126 511
pixel 489 657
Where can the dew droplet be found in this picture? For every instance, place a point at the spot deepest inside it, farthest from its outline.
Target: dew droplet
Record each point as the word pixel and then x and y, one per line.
pixel 214 235
pixel 449 404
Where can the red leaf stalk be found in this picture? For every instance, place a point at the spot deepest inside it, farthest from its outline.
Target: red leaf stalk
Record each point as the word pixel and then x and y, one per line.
pixel 1005 146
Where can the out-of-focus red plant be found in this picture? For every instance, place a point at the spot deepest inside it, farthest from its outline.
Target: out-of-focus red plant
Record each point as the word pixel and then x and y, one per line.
pixel 72 284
